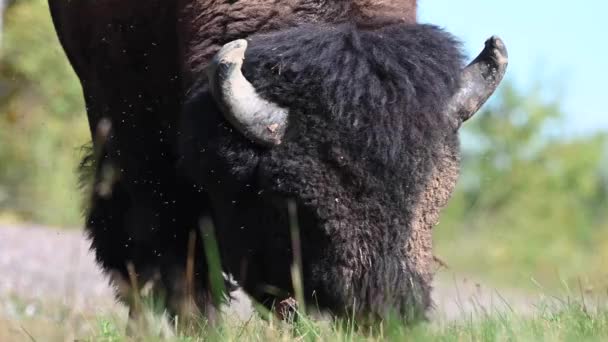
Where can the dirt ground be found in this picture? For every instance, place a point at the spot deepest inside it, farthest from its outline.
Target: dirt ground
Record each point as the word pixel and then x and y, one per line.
pixel 40 263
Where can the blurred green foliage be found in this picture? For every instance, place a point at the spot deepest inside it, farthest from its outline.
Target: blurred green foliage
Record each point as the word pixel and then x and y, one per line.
pixel 531 206
pixel 42 120
pixel 529 203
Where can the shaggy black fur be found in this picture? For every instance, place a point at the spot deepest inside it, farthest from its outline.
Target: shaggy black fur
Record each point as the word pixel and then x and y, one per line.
pixel 365 138
pixel 367 135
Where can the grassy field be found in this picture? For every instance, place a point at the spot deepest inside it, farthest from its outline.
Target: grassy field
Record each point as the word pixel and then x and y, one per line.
pixel 562 320
pixel 529 214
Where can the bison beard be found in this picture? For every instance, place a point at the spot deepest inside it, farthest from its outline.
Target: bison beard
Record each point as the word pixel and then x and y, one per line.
pixel 370 155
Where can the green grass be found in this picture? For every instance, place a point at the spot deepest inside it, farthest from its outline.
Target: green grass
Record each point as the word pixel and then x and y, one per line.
pixel 563 320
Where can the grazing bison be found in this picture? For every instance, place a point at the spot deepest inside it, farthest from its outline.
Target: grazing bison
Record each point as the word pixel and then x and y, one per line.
pixel 139 62
pixel 359 128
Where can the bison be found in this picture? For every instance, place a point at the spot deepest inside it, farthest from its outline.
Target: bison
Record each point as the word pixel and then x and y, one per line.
pixel 354 120
pixel 358 128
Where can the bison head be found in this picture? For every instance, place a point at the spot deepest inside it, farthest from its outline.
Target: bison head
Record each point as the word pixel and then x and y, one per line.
pixel 358 128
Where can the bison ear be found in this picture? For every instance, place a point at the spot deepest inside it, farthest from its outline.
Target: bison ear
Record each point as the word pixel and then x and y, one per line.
pixel 479 80
pixel 262 121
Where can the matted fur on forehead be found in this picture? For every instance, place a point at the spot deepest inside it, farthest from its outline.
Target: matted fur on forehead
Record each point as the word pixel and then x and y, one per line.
pixel 383 89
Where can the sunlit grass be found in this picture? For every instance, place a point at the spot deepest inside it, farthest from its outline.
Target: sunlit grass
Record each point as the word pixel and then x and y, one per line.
pixel 564 320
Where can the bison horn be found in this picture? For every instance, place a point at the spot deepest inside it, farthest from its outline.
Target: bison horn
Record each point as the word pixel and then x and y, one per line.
pixel 258 119
pixel 479 80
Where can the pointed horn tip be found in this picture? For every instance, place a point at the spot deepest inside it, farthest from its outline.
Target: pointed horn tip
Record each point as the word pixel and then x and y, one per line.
pixel 496 46
pixel 232 53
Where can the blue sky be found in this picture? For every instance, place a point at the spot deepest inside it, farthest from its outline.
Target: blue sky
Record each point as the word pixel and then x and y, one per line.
pixel 564 46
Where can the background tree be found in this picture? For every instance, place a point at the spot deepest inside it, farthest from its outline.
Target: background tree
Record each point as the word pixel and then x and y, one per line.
pixel 42 120
pixel 530 202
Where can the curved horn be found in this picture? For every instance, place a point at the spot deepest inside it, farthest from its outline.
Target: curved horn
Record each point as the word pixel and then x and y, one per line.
pixel 258 119
pixel 480 79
